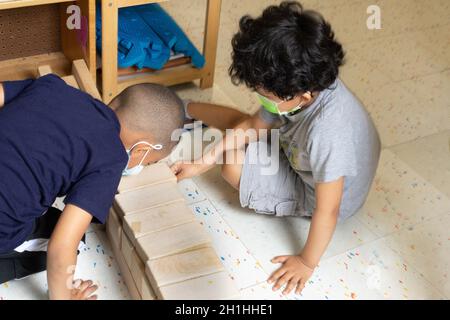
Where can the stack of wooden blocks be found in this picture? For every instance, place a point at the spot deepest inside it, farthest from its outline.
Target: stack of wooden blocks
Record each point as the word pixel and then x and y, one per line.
pixel 163 252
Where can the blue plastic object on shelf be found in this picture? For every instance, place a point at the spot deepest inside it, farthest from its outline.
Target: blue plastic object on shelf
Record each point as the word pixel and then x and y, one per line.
pixel 170 32
pixel 146 36
pixel 133 27
pixel 138 44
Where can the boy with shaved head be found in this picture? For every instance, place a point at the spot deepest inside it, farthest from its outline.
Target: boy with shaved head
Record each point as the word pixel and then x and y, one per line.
pixel 57 141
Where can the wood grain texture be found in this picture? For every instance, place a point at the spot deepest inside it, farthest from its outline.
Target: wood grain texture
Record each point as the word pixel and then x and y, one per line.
pixel 184 238
pixel 182 267
pixel 147 198
pixel 157 219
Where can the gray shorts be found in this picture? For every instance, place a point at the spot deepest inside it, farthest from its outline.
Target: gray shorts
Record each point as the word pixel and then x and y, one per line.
pixel 280 193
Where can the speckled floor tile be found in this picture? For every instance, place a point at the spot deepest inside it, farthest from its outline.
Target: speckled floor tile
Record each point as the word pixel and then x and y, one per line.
pixel 430 158
pixel 427 247
pixel 395 126
pixel 235 257
pixel 95 262
pixel 400 198
pixel 371 271
pixel 401 57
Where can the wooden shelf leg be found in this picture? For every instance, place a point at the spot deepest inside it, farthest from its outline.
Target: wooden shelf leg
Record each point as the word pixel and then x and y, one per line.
pixel 210 43
pixel 44 70
pixel 110 26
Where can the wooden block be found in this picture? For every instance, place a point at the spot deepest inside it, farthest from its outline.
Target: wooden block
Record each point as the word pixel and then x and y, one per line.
pixel 137 268
pixel 84 79
pixel 157 219
pixel 114 228
pixel 151 175
pixel 187 237
pixel 71 81
pixel 147 292
pixel 127 248
pixel 182 267
pixel 217 286
pixel 147 198
pixel 126 273
pixel 44 70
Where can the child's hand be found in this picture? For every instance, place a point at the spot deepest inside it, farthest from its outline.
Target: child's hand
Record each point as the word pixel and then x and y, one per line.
pixel 186 170
pixel 294 273
pixel 83 290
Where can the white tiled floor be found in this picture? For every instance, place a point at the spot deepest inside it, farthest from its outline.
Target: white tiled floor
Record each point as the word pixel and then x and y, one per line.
pixel 398 246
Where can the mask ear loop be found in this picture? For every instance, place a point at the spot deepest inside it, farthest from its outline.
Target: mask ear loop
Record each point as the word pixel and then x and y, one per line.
pixel 143 158
pixel 155 147
pixel 301 105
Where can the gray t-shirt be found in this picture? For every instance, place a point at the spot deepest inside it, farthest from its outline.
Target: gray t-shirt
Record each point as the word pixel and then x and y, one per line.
pixel 332 138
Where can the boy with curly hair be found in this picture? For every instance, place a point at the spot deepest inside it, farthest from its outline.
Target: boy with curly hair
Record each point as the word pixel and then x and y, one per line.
pixel 329 145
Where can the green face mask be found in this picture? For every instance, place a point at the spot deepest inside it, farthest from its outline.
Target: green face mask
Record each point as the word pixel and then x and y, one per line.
pixel 272 106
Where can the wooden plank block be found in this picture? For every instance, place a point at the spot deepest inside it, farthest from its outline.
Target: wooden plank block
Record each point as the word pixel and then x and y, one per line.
pixel 71 81
pixel 217 286
pixel 126 273
pixel 114 228
pixel 151 175
pixel 187 237
pixel 127 248
pixel 182 267
pixel 157 219
pixel 137 268
pixel 147 198
pixel 147 292
pixel 84 79
pixel 44 70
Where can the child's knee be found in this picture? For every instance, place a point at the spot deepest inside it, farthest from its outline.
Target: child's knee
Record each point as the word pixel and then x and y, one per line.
pixel 232 169
pixel 232 174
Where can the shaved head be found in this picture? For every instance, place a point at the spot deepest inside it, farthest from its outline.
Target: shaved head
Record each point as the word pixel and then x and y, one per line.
pixel 150 109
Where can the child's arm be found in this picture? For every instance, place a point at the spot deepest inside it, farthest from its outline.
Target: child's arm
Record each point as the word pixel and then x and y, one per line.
pixel 324 219
pixel 216 116
pixel 234 140
pixel 296 270
pixel 62 255
pixel 2 96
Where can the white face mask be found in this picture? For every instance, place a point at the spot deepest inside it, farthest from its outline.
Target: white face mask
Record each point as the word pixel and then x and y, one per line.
pixel 137 169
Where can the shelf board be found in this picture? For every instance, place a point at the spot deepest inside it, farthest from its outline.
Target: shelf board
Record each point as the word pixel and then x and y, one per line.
pixel 168 77
pixel 130 3
pixel 170 64
pixel 25 68
pixel 27 3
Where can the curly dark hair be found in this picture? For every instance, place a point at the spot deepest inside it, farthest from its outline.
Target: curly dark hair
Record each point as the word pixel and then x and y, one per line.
pixel 287 51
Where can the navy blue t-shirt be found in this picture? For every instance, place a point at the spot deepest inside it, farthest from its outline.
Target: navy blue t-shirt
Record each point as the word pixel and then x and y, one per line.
pixel 54 141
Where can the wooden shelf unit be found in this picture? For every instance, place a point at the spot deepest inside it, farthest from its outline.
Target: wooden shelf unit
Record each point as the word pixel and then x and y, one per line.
pixel 112 85
pixel 28 3
pixel 71 49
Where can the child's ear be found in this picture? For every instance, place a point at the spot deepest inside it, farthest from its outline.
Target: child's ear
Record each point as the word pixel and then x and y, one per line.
pixel 307 96
pixel 138 151
pixel 142 150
